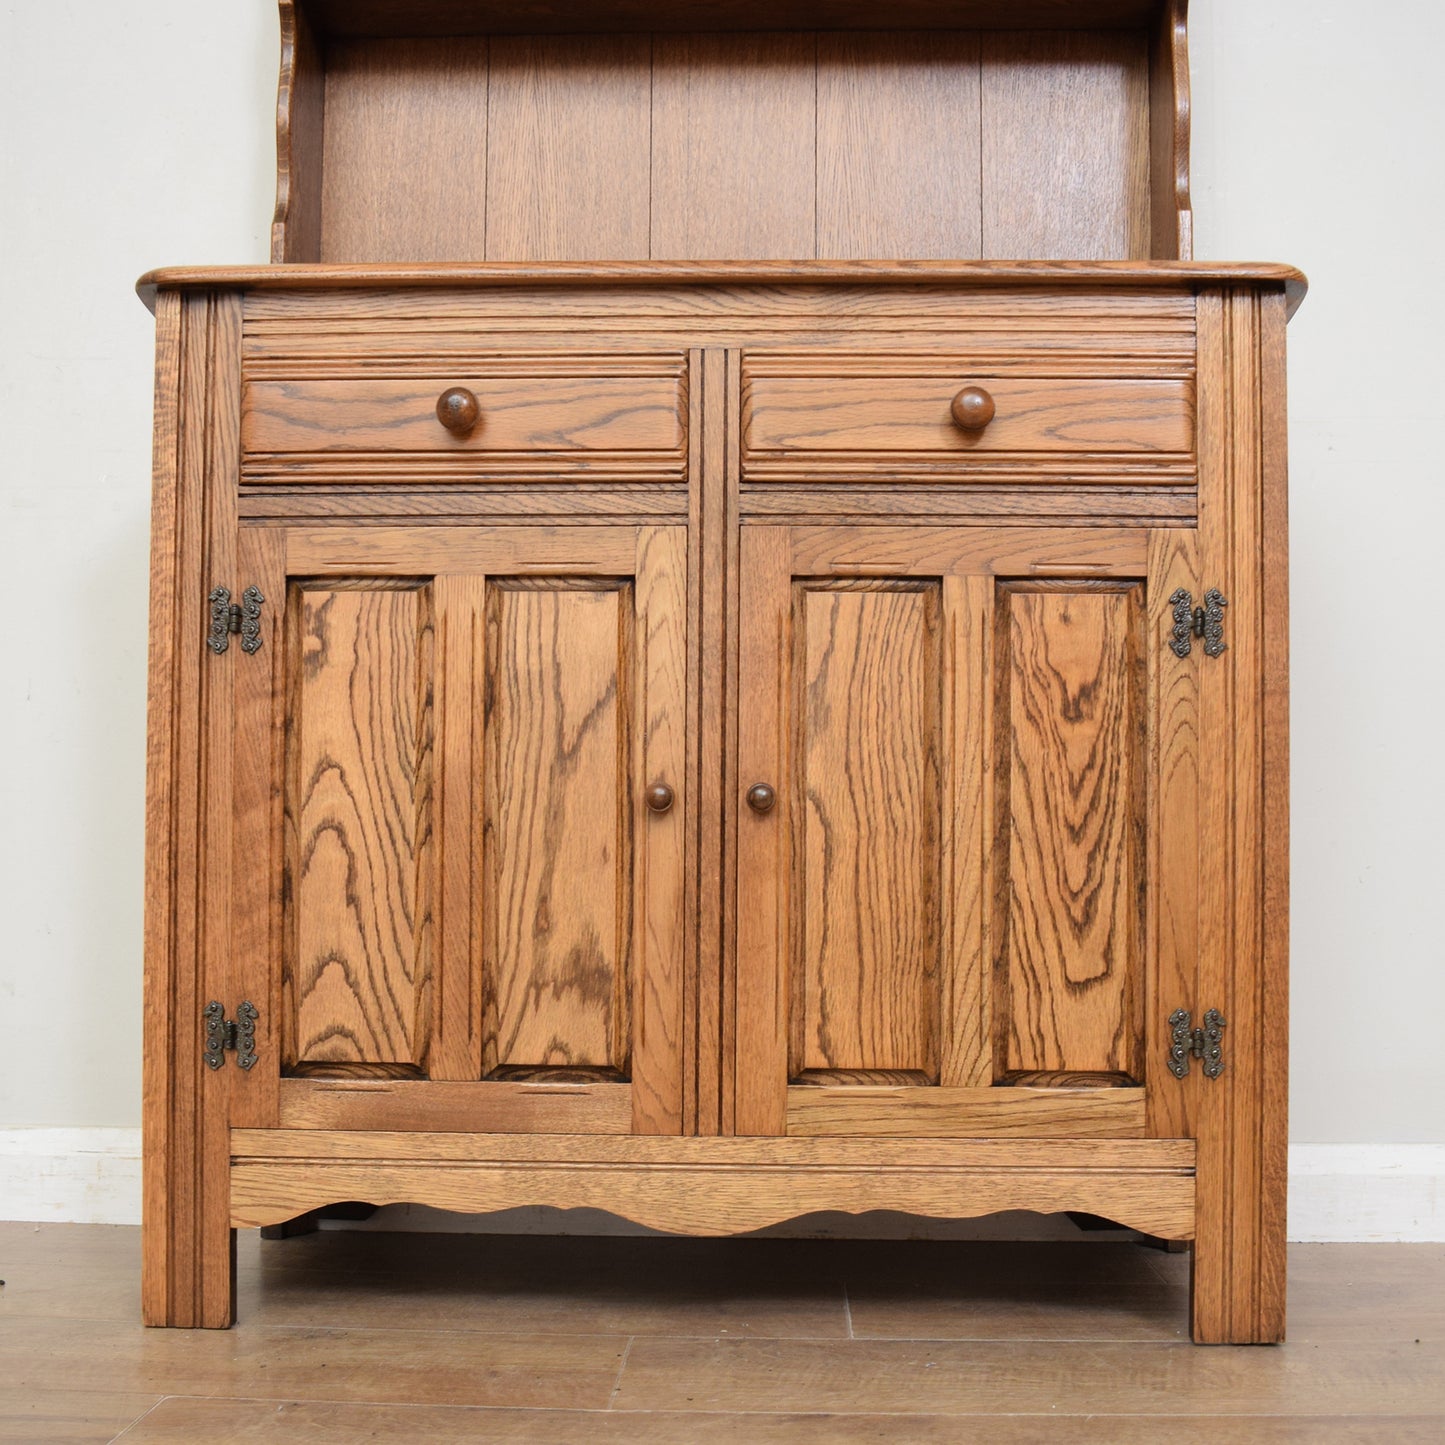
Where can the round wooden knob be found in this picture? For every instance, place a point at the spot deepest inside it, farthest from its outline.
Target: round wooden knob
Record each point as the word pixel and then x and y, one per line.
pixel 973 408
pixel 458 410
pixel 659 797
pixel 761 798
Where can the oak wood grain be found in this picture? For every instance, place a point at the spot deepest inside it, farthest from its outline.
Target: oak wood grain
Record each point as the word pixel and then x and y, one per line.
pixel 865 792
pixel 1171 230
pixel 300 121
pixel 359 970
pixel 898 145
pixel 1070 728
pixel 568 137
pixel 1065 145
pixel 595 413
pixel 557 824
pixel 405 152
pixel 857 1110
pixel 890 413
pixel 734 120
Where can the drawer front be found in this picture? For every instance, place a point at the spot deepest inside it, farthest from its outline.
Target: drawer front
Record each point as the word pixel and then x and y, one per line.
pixel 562 414
pixel 932 415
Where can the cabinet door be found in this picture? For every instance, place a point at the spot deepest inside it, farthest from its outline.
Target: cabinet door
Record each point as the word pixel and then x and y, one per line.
pixel 459 906
pixel 946 919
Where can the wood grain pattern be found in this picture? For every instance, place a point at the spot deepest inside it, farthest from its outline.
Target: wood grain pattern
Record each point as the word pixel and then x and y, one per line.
pixel 898 145
pixel 358 975
pixel 734 120
pixel 501 1106
pixel 1065 146
pixel 1238 1281
pixel 557 825
pixel 892 413
pixel 594 413
pixel 464 17
pixel 866 950
pixel 568 136
pixel 715 1201
pixel 858 1110
pixel 300 121
pixel 405 170
pixel 1070 739
pixel 1172 908
pixel 186 1254
pixel 1171 232
pixel 661 905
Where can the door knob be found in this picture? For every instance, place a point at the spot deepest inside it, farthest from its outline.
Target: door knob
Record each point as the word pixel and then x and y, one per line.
pixel 761 798
pixel 659 797
pixel 972 408
pixel 458 410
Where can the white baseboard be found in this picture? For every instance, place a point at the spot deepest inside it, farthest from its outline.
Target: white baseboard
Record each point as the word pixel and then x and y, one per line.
pixel 1337 1192
pixel 70 1176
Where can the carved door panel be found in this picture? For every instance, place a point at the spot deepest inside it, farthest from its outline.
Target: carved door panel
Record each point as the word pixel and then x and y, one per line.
pixel 466 898
pixel 947 918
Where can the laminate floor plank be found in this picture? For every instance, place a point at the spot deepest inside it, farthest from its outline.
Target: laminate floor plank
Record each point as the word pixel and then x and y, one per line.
pixel 76 1416
pixel 976 1377
pixel 349 1335
pixel 263 1422
pixel 374 1365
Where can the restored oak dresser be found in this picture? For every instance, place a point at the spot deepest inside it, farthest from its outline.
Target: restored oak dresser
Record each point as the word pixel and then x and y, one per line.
pixel 688 679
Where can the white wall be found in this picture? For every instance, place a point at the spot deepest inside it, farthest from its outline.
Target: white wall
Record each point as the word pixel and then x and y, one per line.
pixel 142 135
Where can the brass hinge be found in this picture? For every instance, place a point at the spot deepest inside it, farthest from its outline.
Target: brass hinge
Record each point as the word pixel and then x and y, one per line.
pixel 1191 622
pixel 238 1035
pixel 229 617
pixel 1206 1043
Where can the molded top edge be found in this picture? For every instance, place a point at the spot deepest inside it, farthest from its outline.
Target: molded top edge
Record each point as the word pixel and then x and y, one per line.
pixel 367 276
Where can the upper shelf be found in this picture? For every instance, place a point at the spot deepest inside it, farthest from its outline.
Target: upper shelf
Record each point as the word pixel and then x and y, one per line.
pixel 557 130
pixel 395 19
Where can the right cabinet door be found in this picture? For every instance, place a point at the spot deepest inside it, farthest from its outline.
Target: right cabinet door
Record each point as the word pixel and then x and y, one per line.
pixel 966 829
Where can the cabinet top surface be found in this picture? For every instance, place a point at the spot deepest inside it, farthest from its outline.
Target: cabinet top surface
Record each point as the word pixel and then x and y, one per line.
pixel 1098 275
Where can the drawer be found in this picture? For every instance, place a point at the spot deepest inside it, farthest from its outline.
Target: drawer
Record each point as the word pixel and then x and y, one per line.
pixel 526 414
pixel 912 414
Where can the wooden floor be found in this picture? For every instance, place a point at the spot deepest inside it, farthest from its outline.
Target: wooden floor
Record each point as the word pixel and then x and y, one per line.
pixel 442 1338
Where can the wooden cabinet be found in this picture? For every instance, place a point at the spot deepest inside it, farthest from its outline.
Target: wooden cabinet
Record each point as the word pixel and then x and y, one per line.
pixel 717 740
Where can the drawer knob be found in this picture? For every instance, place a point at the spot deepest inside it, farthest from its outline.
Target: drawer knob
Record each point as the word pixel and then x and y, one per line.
pixel 659 797
pixel 761 798
pixel 973 408
pixel 458 410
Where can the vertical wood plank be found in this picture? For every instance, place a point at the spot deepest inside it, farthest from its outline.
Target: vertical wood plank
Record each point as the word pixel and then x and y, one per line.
pixel 1072 674
pixel 764 843
pixel 1171 226
pixel 732 786
pixel 1065 146
pixel 258 739
pixel 734 118
pixel 659 869
pixel 1238 1281
pixel 967 1004
pixel 558 821
pixel 300 131
pixel 1175 741
pixel 568 141
pixel 461 670
pixel 361 888
pixel 405 176
pixel 898 145
pixel 864 808
pixel 710 550
pixel 171 807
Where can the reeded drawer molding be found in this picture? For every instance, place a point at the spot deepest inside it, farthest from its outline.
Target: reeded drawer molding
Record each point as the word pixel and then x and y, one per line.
pixel 367 417
pixel 1084 411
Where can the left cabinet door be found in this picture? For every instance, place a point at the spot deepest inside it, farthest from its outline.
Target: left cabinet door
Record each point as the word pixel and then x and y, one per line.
pixel 461 812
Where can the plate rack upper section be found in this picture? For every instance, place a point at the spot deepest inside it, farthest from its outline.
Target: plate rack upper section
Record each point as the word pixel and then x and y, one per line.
pixel 556 130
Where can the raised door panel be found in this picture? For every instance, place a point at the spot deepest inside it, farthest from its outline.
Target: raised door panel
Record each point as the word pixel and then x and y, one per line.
pixel 942 920
pixel 479 919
